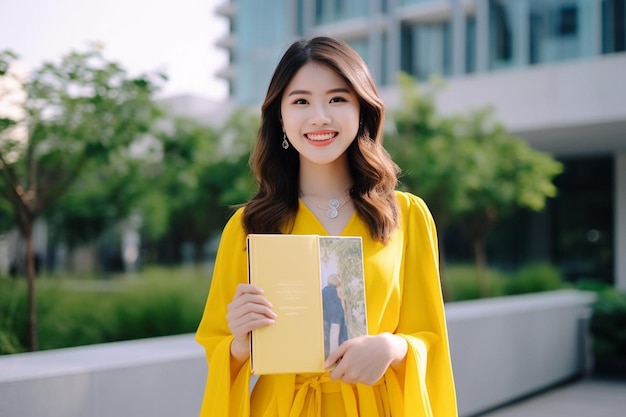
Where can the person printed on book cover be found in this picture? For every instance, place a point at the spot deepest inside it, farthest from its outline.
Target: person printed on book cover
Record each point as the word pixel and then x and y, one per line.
pixel 335 330
pixel 321 169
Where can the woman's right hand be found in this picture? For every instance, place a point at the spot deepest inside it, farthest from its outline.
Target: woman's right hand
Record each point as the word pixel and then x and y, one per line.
pixel 248 310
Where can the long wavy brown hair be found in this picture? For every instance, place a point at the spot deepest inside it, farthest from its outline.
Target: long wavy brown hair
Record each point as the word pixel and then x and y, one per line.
pixel 273 208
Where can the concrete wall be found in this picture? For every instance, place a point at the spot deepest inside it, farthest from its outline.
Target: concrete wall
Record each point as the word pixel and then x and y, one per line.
pixel 567 108
pixel 502 349
pixel 509 347
pixel 160 377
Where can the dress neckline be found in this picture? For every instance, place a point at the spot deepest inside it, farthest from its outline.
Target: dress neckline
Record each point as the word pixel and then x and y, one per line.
pixel 344 232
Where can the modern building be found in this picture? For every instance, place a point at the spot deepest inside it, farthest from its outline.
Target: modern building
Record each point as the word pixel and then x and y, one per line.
pixel 554 70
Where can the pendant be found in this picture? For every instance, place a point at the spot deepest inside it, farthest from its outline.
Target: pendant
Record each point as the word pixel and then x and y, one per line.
pixel 333 211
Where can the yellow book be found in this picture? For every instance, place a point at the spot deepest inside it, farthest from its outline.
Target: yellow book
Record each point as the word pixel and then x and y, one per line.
pixel 315 284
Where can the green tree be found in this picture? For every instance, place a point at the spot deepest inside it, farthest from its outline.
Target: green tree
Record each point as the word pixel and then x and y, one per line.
pixel 202 174
pixel 12 97
pixel 79 112
pixel 432 157
pixel 508 174
pixel 240 132
pixel 467 168
pixel 102 196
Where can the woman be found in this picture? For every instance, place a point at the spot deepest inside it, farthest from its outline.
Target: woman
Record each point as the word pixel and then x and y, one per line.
pixel 321 169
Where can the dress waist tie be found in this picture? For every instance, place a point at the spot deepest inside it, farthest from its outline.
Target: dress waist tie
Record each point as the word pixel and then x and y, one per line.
pixel 308 395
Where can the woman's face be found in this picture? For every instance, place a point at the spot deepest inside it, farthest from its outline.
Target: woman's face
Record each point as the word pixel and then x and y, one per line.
pixel 320 114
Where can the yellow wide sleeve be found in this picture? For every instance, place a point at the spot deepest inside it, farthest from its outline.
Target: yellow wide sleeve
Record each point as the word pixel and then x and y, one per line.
pixel 227 392
pixel 426 388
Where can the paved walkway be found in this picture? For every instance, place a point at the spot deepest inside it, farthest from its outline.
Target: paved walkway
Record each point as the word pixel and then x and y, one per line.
pixel 586 397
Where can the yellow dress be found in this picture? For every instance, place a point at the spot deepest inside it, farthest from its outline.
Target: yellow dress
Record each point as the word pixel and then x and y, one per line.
pixel 403 295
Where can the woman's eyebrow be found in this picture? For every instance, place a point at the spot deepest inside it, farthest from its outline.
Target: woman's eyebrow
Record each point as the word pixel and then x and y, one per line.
pixel 338 90
pixel 298 92
pixel 331 91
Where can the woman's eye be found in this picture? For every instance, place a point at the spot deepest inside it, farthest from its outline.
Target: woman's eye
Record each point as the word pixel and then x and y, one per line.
pixel 337 99
pixel 300 101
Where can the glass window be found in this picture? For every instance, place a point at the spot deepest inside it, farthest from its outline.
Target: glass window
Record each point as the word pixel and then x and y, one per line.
pixel 613 26
pixel 501 33
pixel 300 18
pixel 384 5
pixel 582 216
pixel 384 70
pixel 470 44
pixel 253 28
pixel 560 30
pixel 426 50
pixel 259 45
pixel 405 2
pixel 329 11
pixel 361 46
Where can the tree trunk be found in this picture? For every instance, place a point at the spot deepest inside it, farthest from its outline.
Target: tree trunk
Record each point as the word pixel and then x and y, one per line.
pixel 481 266
pixel 33 342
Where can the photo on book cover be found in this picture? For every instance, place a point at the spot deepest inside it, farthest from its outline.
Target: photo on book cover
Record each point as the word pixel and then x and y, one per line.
pixel 343 290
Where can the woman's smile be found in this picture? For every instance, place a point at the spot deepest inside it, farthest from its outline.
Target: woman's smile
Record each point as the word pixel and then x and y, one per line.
pixel 321 138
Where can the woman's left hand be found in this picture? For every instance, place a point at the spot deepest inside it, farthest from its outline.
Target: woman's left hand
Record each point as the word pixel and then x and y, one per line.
pixel 365 359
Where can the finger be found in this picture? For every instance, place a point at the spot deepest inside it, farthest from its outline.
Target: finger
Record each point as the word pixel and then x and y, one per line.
pixel 337 371
pixel 241 311
pixel 241 327
pixel 251 322
pixel 243 289
pixel 335 356
pixel 248 301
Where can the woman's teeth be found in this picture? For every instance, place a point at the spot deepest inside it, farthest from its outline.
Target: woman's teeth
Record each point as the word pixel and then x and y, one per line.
pixel 322 136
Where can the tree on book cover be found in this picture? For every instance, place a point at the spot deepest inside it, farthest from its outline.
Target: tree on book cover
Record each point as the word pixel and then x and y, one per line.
pixel 343 290
pixel 316 286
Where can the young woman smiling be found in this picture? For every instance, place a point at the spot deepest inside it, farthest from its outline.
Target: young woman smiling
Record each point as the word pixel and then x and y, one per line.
pixel 321 169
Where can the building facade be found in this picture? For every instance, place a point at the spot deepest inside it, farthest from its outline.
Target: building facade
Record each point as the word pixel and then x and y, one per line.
pixel 554 71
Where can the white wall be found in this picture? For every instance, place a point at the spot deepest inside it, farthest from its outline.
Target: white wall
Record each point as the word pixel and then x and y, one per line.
pixel 562 94
pixel 564 108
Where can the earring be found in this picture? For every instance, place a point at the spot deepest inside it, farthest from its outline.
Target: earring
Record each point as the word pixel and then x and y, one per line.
pixel 285 141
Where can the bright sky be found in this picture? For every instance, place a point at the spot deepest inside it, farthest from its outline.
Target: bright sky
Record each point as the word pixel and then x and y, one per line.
pixel 174 36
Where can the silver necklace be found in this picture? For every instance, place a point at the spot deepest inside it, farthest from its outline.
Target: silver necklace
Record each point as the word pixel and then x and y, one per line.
pixel 333 206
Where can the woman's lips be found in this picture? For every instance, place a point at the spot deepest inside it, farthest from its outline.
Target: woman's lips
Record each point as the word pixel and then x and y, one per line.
pixel 320 138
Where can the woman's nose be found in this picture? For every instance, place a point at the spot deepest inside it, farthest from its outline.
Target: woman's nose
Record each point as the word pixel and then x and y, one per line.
pixel 320 115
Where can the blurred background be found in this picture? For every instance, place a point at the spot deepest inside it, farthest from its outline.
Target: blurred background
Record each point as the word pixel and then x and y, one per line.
pixel 126 129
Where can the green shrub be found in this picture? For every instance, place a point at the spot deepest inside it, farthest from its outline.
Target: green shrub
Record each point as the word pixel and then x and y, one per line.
pixel 608 324
pixel 534 278
pixel 72 318
pixel 74 311
pixel 157 308
pixel 13 319
pixel 463 283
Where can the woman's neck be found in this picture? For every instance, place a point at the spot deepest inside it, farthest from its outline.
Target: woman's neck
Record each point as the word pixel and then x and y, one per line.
pixel 325 181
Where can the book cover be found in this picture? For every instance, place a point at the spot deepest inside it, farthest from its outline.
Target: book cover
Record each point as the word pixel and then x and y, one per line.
pixel 315 284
